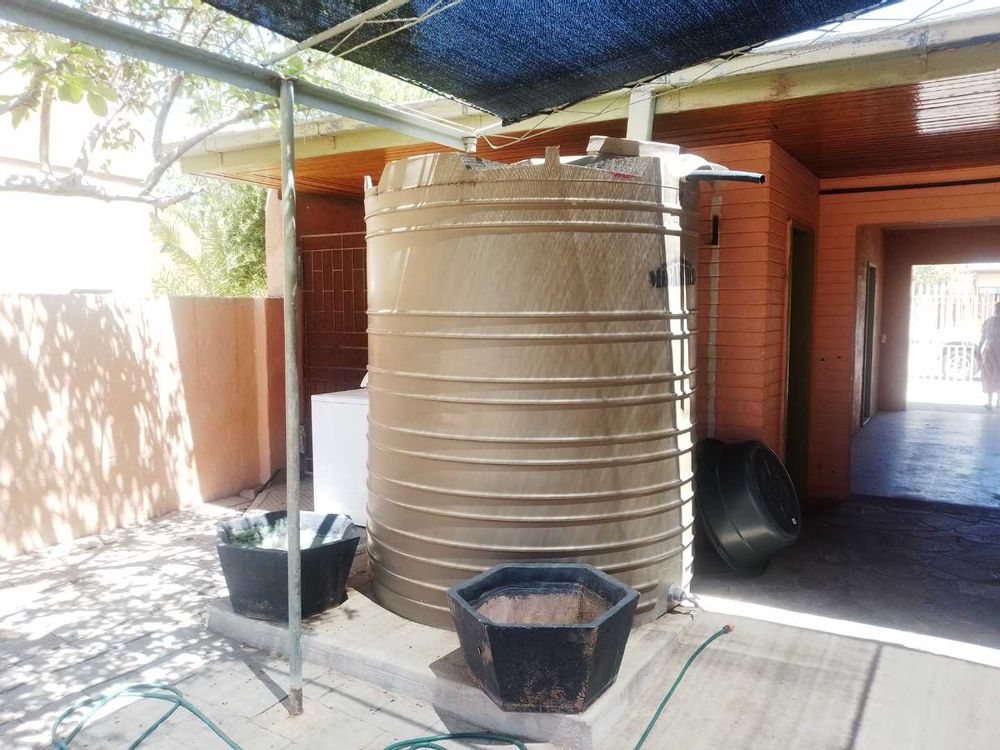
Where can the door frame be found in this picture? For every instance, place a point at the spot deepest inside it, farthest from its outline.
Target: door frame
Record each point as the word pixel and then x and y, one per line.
pixel 869 342
pixel 794 226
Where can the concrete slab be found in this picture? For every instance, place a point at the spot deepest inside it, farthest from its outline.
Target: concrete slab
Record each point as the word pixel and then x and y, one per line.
pixel 363 641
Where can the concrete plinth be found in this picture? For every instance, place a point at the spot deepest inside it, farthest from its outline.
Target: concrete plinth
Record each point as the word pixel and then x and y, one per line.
pixel 362 640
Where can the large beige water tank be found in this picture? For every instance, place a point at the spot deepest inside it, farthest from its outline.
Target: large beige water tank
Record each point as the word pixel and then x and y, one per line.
pixel 531 370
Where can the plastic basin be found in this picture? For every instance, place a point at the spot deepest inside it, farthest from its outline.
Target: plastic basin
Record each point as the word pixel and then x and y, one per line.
pixel 254 557
pixel 543 637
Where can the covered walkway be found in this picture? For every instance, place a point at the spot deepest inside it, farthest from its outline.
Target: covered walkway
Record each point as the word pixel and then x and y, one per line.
pixel 946 454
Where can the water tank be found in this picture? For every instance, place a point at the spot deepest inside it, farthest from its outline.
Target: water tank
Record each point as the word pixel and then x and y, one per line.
pixel 531 370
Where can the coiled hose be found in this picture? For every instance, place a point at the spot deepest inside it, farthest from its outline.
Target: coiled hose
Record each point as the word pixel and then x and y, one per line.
pixel 171 695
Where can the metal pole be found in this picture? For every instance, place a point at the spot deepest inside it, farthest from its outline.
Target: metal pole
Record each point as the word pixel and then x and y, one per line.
pixel 291 257
pixel 641 110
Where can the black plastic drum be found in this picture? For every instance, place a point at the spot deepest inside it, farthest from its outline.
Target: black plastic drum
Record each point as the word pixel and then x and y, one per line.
pixel 745 503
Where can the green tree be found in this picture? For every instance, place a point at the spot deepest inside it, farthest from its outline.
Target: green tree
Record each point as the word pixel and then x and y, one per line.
pixel 211 233
pixel 213 244
pixel 134 102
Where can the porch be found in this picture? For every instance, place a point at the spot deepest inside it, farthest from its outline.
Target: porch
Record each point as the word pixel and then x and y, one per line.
pixel 128 607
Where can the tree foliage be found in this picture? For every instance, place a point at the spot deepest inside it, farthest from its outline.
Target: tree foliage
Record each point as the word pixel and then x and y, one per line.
pixel 211 233
pixel 939 274
pixel 213 244
pixel 134 102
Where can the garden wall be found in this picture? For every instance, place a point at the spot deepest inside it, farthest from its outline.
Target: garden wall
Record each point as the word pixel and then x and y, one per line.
pixel 115 410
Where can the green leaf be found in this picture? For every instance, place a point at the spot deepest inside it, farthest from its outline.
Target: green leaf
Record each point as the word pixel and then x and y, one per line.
pixel 70 92
pixel 104 90
pixel 295 65
pixel 97 105
pixel 19 115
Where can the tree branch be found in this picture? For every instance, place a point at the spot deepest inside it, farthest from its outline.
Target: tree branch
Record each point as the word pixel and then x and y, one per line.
pixel 29 97
pixel 44 131
pixel 186 145
pixel 93 140
pixel 161 117
pixel 71 186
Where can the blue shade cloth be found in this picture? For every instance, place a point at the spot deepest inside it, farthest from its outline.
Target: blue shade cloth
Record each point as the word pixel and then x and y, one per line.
pixel 516 58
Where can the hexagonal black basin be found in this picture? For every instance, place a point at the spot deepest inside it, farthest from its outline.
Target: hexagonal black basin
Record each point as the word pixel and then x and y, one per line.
pixel 543 637
pixel 543 603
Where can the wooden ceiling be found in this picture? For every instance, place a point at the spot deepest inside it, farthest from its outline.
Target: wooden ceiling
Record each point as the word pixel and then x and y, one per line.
pixel 947 123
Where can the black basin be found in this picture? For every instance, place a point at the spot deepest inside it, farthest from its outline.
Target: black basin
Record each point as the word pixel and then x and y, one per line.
pixel 255 562
pixel 543 637
pixel 745 505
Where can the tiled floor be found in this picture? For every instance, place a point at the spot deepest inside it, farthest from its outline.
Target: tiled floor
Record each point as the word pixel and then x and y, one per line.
pixel 128 607
pixel 943 454
pixel 920 568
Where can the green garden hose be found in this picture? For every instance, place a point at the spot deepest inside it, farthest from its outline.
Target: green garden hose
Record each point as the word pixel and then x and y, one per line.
pixel 680 676
pixel 165 693
pixel 173 696
pixel 431 743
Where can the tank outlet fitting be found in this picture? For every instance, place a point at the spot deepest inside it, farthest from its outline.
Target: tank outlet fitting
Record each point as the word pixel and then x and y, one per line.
pixel 678 595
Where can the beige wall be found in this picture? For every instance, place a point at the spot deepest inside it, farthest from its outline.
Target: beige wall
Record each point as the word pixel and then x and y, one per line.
pixel 114 410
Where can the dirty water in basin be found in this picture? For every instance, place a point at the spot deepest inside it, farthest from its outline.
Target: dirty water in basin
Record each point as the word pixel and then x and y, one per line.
pixel 548 604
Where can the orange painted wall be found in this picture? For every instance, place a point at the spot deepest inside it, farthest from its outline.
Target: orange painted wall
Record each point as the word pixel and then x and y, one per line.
pixel 115 410
pixel 741 343
pixel 834 412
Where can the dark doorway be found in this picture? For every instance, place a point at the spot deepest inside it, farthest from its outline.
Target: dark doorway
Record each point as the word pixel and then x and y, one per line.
pixel 869 354
pixel 800 311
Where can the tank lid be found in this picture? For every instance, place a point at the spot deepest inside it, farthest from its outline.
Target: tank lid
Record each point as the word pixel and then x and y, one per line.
pixel 606 145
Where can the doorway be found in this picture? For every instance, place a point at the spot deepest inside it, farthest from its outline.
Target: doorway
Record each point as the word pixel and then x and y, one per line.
pixel 801 269
pixel 943 446
pixel 948 304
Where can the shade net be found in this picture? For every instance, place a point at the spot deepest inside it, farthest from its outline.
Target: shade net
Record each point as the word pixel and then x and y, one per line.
pixel 516 58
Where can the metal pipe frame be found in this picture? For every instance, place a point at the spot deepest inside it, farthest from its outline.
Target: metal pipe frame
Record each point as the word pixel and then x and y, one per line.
pixel 78 25
pixel 292 454
pixel 340 28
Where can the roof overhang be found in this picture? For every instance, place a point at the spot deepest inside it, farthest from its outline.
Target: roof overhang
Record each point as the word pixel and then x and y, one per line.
pixel 520 58
pixel 910 54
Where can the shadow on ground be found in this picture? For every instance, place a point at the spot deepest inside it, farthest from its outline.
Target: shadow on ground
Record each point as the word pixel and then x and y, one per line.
pixel 919 567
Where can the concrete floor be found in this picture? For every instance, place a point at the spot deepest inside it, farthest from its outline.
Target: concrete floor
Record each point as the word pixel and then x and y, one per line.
pixel 947 454
pixel 128 607
pixel 922 569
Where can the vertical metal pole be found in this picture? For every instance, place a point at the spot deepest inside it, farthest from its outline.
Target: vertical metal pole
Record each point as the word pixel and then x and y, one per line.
pixel 291 257
pixel 641 110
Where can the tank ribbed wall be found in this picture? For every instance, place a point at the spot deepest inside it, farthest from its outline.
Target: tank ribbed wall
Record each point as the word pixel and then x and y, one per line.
pixel 530 373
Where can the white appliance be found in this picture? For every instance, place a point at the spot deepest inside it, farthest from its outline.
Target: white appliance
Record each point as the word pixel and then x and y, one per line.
pixel 340 453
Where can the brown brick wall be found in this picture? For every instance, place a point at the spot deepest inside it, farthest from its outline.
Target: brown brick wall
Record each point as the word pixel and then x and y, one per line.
pixel 334 298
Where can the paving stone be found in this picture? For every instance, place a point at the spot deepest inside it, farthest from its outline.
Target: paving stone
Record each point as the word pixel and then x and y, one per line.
pixel 774 686
pixel 315 717
pixel 232 687
pixel 349 732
